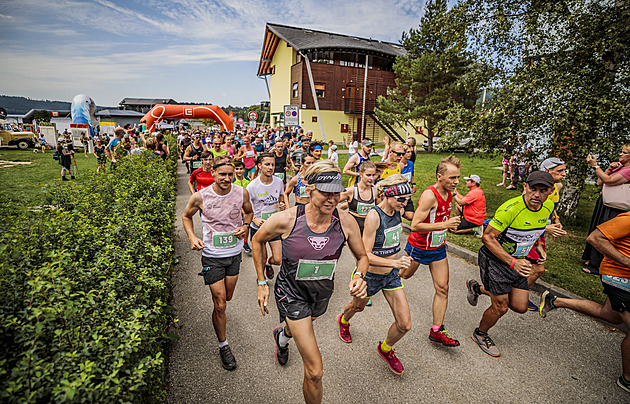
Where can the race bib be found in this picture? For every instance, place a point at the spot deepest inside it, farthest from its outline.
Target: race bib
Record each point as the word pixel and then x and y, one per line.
pixel 408 176
pixel 315 270
pixel 392 236
pixel 364 208
pixel 279 175
pixel 250 154
pixel 265 215
pixel 522 249
pixel 196 164
pixel 618 282
pixel 303 193
pixel 224 240
pixel 437 238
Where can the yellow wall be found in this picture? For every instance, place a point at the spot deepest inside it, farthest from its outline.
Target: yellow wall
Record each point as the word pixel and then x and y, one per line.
pixel 280 81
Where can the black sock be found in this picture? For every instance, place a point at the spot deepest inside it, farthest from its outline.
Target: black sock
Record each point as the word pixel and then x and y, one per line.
pixel 477 288
pixel 479 332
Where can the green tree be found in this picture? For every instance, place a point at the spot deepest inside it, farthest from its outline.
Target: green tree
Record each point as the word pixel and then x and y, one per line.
pixel 562 79
pixel 436 73
pixel 42 116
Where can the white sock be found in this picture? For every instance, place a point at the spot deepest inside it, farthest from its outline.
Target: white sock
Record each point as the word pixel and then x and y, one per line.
pixel 267 262
pixel 222 344
pixel 283 340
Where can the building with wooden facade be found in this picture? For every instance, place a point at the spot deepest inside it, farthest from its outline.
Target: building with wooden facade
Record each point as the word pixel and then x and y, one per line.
pixel 345 73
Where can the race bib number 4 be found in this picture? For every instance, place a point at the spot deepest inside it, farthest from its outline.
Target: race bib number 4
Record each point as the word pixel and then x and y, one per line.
pixel 392 236
pixel 224 240
pixel 364 208
pixel 437 238
pixel 315 270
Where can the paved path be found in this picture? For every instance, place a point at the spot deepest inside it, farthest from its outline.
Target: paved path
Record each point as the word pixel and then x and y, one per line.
pixel 563 358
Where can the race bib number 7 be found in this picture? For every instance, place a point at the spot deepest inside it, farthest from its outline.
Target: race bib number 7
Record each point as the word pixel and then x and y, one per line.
pixel 315 270
pixel 224 240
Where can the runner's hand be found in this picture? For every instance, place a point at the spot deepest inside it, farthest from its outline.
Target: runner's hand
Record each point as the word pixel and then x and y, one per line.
pixel 403 262
pixel 555 230
pixel 263 299
pixel 453 222
pixel 258 222
pixel 358 287
pixel 197 244
pixel 241 232
pixel 542 257
pixel 523 267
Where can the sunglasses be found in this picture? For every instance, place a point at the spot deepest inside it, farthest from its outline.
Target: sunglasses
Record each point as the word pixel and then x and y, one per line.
pixel 403 199
pixel 398 153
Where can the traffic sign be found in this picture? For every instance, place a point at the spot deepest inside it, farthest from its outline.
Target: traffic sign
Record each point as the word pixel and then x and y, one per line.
pixel 252 115
pixel 291 115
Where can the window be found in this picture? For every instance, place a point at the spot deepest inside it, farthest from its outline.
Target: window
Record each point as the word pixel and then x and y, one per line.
pixel 320 89
pixel 295 90
pixel 322 57
pixel 314 119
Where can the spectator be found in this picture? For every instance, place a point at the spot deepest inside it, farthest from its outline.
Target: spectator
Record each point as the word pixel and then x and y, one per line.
pixel 65 158
pixel 471 207
pixel 99 153
pixel 334 156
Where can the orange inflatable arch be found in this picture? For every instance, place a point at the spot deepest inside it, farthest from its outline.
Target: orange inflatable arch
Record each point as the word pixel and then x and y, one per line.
pixel 162 111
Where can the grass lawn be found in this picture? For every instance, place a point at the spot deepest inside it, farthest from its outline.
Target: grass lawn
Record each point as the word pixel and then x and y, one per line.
pixel 563 254
pixel 23 185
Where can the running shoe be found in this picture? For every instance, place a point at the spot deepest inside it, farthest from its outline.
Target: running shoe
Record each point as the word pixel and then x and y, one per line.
pixel 269 271
pixel 472 296
pixel 247 248
pixel 531 306
pixel 442 337
pixel 485 343
pixel 282 353
pixel 369 303
pixel 623 383
pixel 344 330
pixel 546 303
pixel 479 231
pixel 228 360
pixel 390 357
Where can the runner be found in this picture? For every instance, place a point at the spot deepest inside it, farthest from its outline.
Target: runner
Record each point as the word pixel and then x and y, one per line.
pixel 558 170
pixel 266 193
pixel 381 239
pixel 503 262
pixel 612 238
pixel 247 152
pixel 313 237
pixel 362 196
pixel 297 156
pixel 298 185
pixel 192 154
pixel 352 166
pixel 202 176
pixel 217 148
pixel 427 243
pixel 407 167
pixel 396 153
pixel 223 230
pixel 282 162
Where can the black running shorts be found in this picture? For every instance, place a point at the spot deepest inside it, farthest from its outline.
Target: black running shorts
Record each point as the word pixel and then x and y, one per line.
pixel 497 276
pixel 216 269
pixel 619 298
pixel 297 309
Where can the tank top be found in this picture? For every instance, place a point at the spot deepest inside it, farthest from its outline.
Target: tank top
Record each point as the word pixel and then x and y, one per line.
pixel 300 188
pixel 309 260
pixel 249 158
pixel 281 164
pixel 221 216
pixel 353 180
pixel 433 239
pixel 387 239
pixel 195 152
pixel 358 205
pixel 264 198
pixel 388 171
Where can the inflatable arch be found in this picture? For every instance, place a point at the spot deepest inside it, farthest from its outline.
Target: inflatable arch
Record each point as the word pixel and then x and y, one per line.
pixel 162 111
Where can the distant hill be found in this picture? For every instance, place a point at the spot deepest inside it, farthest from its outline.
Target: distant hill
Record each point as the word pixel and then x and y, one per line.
pixel 21 105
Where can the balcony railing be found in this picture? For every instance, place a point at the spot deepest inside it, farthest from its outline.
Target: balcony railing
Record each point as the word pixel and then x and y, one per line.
pixel 355 105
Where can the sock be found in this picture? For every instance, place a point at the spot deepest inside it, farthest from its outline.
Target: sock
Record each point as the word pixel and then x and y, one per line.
pixel 478 332
pixel 344 321
pixel 283 339
pixel 436 328
pixel 384 347
pixel 477 289
pixel 222 344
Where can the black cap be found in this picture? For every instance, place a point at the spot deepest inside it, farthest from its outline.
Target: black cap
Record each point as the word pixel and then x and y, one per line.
pixel 540 178
pixel 327 182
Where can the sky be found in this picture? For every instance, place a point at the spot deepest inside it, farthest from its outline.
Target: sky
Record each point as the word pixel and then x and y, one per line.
pixel 188 50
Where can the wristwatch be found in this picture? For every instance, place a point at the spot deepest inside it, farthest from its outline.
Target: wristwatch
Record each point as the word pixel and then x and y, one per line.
pixel 360 274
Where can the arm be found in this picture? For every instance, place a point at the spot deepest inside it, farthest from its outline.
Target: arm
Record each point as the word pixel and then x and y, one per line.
pixel 350 165
pixel 187 154
pixel 489 239
pixel 239 154
pixel 192 184
pixel 248 214
pixel 459 198
pixel 427 202
pixel 603 177
pixel 357 286
pixel 603 245
pixel 194 204
pixel 290 187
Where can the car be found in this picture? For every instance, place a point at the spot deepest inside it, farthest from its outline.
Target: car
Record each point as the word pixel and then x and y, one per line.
pixel 450 143
pixel 22 139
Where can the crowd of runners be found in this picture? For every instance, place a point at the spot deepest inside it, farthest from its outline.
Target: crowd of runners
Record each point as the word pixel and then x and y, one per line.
pixel 276 195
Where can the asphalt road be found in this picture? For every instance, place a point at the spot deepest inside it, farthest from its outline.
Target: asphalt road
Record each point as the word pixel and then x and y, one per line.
pixel 565 357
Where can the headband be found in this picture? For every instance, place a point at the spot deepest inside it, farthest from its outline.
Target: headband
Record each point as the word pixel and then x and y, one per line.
pixel 318 147
pixel 397 189
pixel 214 167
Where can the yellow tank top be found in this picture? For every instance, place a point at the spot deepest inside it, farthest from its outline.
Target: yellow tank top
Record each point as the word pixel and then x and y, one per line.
pixel 387 172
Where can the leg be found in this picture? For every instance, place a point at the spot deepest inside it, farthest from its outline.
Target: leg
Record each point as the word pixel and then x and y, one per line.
pixel 408 273
pixel 218 290
pixel 518 299
pixel 498 307
pixel 304 336
pixel 439 273
pixel 537 271
pixel 355 306
pixel 590 308
pixel 402 317
pixel 625 346
pixel 230 285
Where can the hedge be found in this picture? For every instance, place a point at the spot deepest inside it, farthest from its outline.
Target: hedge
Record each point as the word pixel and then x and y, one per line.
pixel 84 289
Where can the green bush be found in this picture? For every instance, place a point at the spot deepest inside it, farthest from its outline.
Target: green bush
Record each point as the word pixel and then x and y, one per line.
pixel 84 289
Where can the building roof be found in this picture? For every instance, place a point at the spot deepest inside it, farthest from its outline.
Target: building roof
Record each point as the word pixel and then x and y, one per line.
pixel 147 101
pixel 119 112
pixel 308 40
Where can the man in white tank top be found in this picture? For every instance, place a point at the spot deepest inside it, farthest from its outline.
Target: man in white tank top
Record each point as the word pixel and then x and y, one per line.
pixel 224 229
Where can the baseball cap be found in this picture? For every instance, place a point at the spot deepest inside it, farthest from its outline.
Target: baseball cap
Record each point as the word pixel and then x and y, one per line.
pixel 61 139
pixel 474 177
pixel 551 163
pixel 540 178
pixel 367 142
pixel 333 147
pixel 329 181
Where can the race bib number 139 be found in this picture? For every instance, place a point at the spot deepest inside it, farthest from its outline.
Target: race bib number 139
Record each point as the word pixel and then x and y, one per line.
pixel 224 240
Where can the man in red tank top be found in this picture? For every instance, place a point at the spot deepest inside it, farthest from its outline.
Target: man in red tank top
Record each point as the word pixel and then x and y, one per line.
pixel 427 243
